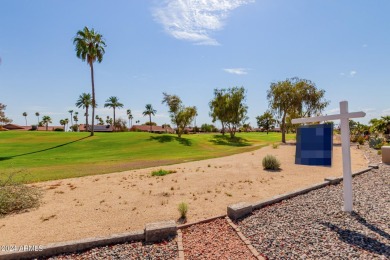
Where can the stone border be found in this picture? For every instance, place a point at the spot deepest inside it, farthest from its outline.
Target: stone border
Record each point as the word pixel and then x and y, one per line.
pixel 244 239
pixel 75 246
pixel 180 244
pixel 200 221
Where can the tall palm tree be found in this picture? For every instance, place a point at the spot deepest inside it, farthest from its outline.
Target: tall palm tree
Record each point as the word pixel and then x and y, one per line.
pixel 71 116
pixel 90 47
pixel 46 120
pixel 113 102
pixel 130 116
pixel 85 101
pixel 25 116
pixel 149 111
pixel 76 119
pixel 66 122
pixel 37 114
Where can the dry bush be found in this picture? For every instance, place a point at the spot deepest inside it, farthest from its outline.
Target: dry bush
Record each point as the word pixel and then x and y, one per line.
pixel 16 197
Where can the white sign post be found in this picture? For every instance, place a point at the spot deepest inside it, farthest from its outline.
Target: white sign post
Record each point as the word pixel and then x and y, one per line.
pixel 344 117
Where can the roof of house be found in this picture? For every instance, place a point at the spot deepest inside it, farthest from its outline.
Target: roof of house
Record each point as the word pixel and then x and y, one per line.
pixel 155 128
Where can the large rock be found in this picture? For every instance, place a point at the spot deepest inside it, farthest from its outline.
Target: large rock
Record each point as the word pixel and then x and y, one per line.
pixel 239 210
pixel 386 154
pixel 160 230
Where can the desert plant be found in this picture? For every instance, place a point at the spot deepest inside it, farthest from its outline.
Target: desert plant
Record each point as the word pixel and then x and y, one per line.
pixel 271 163
pixel 162 172
pixel 360 140
pixel 376 142
pixel 275 145
pixel 183 209
pixel 16 197
pixel 379 152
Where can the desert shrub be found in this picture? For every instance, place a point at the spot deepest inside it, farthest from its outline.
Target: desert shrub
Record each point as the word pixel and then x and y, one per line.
pixel 275 145
pixel 162 172
pixel 379 152
pixel 360 140
pixel 16 197
pixel 354 138
pixel 376 142
pixel 270 163
pixel 183 209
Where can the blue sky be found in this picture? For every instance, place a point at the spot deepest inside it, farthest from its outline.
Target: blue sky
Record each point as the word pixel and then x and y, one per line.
pixel 188 48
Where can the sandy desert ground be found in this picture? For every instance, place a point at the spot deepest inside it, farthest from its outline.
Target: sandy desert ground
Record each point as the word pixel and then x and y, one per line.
pixel 119 202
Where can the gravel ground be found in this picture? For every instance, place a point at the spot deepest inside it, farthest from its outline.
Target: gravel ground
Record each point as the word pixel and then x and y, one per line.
pixel 214 240
pixel 312 226
pixel 135 250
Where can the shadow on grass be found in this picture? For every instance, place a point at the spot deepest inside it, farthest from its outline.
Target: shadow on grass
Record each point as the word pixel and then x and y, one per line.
pixel 169 138
pixel 226 140
pixel 359 240
pixel 43 150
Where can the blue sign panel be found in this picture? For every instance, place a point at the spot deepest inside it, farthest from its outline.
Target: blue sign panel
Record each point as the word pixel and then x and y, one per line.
pixel 314 145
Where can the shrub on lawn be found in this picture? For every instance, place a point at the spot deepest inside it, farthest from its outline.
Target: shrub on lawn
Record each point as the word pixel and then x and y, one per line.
pixel 270 163
pixel 183 209
pixel 16 197
pixel 162 172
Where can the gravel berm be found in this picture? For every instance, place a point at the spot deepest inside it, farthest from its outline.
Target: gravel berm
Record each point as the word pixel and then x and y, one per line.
pixel 313 226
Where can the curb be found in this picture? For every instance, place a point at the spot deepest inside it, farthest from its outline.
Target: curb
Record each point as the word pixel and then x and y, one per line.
pixel 200 221
pixel 75 245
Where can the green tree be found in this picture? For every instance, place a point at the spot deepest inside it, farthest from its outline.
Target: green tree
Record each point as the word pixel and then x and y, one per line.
pixel 90 47
pixel 149 111
pixel 208 128
pixel 66 122
pixel 229 107
pixel 71 116
pixel 180 115
pixel 266 121
pixel 46 120
pixel 63 123
pixel 37 115
pixel 130 117
pixel 25 116
pixel 3 118
pixel 295 97
pixel 84 101
pixel 76 119
pixel 113 102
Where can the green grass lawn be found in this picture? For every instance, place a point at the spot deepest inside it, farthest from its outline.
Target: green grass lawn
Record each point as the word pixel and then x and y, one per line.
pixel 41 156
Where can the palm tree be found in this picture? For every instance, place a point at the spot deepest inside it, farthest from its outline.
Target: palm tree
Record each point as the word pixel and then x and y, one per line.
pixel 85 101
pixel 25 116
pixel 66 122
pixel 46 120
pixel 37 114
pixel 62 122
pixel 130 116
pixel 149 111
pixel 113 102
pixel 76 119
pixel 90 47
pixel 71 116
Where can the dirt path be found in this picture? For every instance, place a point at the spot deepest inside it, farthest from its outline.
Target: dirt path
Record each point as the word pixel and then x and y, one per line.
pixel 118 202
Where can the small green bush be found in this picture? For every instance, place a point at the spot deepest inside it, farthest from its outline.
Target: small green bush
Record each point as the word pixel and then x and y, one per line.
pixel 16 197
pixel 183 209
pixel 270 163
pixel 275 145
pixel 379 152
pixel 59 129
pixel 376 142
pixel 360 140
pixel 162 172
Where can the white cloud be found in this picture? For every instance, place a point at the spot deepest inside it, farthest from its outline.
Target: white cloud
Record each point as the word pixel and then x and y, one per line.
pixel 195 20
pixel 237 71
pixel 352 73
